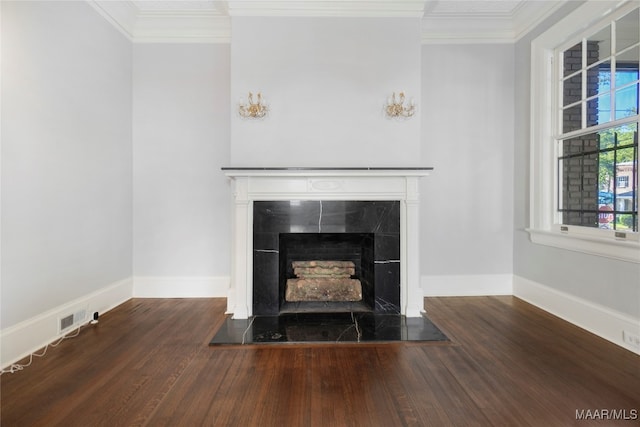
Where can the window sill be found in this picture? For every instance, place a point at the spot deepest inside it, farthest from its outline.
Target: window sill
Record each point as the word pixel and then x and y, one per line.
pixel 628 251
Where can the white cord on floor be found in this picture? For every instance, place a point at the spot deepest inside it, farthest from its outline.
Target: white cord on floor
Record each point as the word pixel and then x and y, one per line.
pixel 19 367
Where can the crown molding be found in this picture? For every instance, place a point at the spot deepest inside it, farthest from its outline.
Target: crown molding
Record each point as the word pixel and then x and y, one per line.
pixel 530 14
pixel 183 28
pixel 466 30
pixel 323 8
pixel 166 25
pixel 443 22
pixel 121 14
pixel 477 27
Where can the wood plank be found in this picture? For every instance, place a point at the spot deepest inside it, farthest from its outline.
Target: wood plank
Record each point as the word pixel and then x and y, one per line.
pixel 147 363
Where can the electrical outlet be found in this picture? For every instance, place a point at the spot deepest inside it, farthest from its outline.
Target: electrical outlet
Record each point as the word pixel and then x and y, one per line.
pixel 631 339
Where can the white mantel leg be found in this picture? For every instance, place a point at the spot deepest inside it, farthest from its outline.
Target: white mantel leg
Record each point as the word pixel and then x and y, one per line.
pixel 241 291
pixel 413 303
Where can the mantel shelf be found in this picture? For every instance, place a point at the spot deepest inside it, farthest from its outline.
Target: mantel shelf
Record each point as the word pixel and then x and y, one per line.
pixel 326 171
pixel 326 168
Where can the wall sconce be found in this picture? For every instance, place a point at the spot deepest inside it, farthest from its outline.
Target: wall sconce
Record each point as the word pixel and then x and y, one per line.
pixel 395 106
pixel 253 110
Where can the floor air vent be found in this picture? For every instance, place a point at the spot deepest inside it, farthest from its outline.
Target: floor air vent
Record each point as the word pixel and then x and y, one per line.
pixel 71 320
pixel 66 322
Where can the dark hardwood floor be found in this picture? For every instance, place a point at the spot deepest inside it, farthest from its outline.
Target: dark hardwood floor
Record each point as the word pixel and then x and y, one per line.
pixel 148 363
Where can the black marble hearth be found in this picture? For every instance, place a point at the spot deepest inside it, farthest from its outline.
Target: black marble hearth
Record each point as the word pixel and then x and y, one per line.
pixel 365 232
pixel 326 328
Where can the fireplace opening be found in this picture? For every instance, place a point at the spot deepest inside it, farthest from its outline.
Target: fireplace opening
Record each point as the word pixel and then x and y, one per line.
pixel 366 233
pixel 326 272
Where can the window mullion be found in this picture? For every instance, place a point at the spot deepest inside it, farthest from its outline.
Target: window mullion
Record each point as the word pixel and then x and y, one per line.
pixel 614 66
pixel 596 128
pixel 583 89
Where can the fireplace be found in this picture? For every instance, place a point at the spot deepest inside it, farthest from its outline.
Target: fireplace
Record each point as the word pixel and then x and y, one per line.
pixel 365 233
pixel 368 216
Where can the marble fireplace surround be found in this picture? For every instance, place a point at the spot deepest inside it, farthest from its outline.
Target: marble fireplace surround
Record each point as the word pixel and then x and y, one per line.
pixel 252 184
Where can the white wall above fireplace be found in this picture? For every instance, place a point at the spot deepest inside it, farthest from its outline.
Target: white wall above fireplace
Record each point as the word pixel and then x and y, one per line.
pixel 326 81
pixel 252 184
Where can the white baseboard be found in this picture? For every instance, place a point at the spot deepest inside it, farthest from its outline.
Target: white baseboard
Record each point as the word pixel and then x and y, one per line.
pixel 24 338
pixel 595 318
pixel 180 287
pixel 467 285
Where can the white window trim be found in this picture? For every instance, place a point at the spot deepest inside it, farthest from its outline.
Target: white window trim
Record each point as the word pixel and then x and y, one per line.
pixel 543 227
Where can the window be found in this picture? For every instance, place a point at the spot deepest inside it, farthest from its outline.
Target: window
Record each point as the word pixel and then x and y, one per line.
pixel 590 181
pixel 584 132
pixel 623 181
pixel 597 135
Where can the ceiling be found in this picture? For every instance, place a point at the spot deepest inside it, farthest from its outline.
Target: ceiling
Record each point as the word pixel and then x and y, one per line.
pixel 463 21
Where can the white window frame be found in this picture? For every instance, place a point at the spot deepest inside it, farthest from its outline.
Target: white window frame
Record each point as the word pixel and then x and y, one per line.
pixel 544 227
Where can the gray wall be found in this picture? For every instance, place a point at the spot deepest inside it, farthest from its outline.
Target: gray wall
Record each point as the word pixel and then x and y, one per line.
pixel 66 156
pixel 181 140
pixel 614 284
pixel 467 135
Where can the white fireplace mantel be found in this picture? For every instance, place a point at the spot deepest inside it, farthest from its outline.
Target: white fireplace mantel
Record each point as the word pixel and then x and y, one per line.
pixel 251 184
